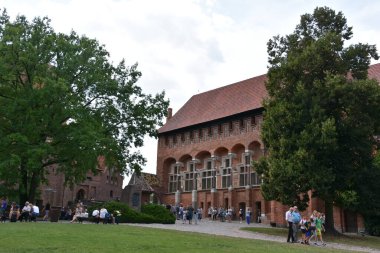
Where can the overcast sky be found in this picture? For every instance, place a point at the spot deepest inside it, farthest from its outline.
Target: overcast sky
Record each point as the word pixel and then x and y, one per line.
pixel 185 47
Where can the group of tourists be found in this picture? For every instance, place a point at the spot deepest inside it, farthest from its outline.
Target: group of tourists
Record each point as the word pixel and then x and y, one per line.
pixel 106 217
pixel 187 214
pixel 29 212
pixel 311 226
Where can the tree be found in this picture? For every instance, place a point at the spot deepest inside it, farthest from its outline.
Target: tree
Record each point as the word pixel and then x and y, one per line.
pixel 63 103
pixel 321 115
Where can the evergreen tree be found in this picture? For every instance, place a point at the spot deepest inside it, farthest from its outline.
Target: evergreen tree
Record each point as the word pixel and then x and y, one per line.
pixel 63 103
pixel 321 115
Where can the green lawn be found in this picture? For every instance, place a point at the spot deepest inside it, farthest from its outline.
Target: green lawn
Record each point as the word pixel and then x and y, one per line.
pixel 357 240
pixel 72 238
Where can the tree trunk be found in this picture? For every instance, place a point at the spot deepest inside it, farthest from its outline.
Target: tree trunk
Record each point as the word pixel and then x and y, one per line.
pixel 23 186
pixel 34 183
pixel 329 222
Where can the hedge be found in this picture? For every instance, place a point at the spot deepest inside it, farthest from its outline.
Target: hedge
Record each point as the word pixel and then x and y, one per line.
pixel 150 213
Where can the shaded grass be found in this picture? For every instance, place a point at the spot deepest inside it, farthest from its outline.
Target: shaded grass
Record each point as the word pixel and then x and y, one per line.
pixel 349 239
pixel 73 238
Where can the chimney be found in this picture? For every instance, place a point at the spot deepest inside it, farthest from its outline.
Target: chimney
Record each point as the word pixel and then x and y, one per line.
pixel 169 115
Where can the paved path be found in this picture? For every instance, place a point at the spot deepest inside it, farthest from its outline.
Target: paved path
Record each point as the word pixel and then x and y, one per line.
pixel 233 230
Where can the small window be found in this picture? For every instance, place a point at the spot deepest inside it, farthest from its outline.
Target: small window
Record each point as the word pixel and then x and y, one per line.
pixel 241 124
pixel 183 137
pixel 220 128
pixel 111 194
pixel 191 135
pixel 231 126
pixel 253 121
pixel 210 131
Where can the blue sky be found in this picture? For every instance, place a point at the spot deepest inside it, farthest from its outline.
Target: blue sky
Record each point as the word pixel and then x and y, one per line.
pixel 186 47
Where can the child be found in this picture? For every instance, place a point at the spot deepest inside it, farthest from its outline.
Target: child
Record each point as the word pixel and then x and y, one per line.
pixel 312 230
pixel 304 229
pixel 318 226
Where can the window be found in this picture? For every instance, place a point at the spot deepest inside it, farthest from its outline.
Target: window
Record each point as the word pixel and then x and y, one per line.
pixel 200 134
pixel 210 132
pixel 208 165
pixel 255 178
pixel 253 121
pixel 226 177
pixel 174 183
pixel 243 176
pixel 220 128
pixel 183 137
pixel 231 126
pixel 191 178
pixel 175 179
pixel 226 173
pixel 247 159
pixel 174 139
pixel 241 123
pixel 207 178
pixel 191 135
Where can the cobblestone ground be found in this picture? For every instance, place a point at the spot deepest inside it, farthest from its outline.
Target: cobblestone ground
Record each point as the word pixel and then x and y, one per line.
pixel 232 229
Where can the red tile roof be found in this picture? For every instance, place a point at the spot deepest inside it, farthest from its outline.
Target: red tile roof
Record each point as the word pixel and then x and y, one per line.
pixel 228 100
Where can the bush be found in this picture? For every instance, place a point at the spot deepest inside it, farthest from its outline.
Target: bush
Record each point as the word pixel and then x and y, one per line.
pixel 129 215
pixel 160 212
pixel 372 224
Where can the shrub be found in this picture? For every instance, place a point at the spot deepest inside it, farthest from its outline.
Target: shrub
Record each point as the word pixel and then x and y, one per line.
pixel 129 215
pixel 161 213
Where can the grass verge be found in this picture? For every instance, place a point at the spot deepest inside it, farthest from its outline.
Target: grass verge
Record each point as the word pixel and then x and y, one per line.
pixel 349 239
pixel 73 238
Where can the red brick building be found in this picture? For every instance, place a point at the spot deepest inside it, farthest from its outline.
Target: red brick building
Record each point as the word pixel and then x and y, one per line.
pixel 205 152
pixel 106 185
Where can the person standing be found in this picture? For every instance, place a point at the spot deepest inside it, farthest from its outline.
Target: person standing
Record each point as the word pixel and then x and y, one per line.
pixel 248 216
pixel 289 219
pixel 190 212
pixel 3 208
pixel 241 215
pixel 47 210
pixel 296 220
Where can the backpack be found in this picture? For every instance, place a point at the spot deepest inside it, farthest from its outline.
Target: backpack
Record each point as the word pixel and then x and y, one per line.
pixel 107 216
pixel 296 217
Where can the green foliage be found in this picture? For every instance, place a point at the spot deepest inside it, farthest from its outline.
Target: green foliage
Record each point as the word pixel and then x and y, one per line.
pixel 63 103
pixel 150 214
pixel 160 212
pixel 320 121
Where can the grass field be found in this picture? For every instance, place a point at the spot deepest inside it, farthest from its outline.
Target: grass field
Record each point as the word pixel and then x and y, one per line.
pixel 357 240
pixel 72 238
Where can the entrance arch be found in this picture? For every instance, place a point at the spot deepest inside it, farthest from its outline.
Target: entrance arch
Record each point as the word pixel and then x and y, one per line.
pixel 80 195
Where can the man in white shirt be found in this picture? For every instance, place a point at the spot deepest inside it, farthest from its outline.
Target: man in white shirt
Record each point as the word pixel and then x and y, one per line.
pixel 25 212
pixel 95 215
pixel 35 212
pixel 289 219
pixel 103 215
